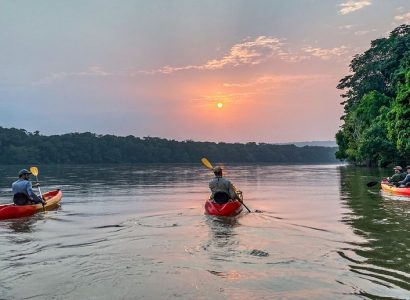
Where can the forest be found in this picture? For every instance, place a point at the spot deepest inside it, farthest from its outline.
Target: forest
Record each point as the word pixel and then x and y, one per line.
pixel 18 146
pixel 376 119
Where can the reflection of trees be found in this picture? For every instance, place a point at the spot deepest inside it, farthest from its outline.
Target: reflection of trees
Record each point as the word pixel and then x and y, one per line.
pixel 383 223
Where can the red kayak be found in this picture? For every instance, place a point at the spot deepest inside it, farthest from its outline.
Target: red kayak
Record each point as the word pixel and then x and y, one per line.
pixel 395 190
pixel 11 211
pixel 230 208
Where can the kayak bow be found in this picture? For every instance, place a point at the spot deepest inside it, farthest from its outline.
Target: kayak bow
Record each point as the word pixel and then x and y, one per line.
pixel 395 190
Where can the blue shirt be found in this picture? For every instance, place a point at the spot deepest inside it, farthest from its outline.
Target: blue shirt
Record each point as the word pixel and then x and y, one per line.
pixel 406 180
pixel 25 187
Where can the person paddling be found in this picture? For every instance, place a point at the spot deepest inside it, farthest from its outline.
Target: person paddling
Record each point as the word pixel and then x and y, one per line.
pixel 23 190
pixel 406 181
pixel 398 176
pixel 221 188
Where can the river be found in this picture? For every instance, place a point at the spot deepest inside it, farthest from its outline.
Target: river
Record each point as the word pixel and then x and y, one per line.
pixel 139 232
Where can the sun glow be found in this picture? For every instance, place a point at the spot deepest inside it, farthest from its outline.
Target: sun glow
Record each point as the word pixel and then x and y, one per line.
pixel 220 105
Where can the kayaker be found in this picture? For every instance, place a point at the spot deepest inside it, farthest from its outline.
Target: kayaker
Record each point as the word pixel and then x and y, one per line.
pixel 406 181
pixel 23 190
pixel 221 188
pixel 398 176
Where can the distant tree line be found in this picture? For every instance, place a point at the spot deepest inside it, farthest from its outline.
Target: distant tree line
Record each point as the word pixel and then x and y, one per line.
pixel 17 146
pixel 376 129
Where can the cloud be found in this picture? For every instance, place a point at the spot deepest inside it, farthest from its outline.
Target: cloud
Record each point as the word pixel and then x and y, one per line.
pixel 248 52
pixel 325 54
pixel 292 57
pixel 346 27
pixel 364 32
pixel 263 85
pixel 254 52
pixel 94 71
pixel 274 81
pixel 353 5
pixel 403 18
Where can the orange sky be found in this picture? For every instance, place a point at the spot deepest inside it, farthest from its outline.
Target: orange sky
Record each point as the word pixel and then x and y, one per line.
pixel 159 68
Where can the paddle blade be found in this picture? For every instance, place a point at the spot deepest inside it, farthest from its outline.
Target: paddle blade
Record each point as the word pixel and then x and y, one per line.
pixel 372 183
pixel 207 163
pixel 34 170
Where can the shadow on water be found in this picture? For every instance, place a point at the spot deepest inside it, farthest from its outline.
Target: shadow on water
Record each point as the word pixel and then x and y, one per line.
pixel 222 232
pixel 222 245
pixel 224 238
pixel 384 225
pixel 26 224
pixel 23 225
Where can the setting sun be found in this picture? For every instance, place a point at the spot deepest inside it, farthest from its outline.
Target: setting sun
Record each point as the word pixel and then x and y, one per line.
pixel 220 105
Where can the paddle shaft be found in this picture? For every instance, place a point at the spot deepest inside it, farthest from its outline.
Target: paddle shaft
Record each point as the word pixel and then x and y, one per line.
pixel 39 190
pixel 34 171
pixel 240 200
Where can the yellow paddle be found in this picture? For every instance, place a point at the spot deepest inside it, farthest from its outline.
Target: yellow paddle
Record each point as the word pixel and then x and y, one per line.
pixel 207 164
pixel 34 171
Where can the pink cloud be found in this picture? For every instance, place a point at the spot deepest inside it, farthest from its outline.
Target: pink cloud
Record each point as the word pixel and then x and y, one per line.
pixel 325 54
pixel 353 5
pixel 248 52
pixel 403 18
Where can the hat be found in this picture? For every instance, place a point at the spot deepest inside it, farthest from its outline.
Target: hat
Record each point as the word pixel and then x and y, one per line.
pixel 24 172
pixel 398 168
pixel 408 167
pixel 217 169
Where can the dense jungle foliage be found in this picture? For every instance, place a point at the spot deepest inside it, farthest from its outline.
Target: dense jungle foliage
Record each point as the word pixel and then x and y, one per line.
pixel 17 146
pixel 376 129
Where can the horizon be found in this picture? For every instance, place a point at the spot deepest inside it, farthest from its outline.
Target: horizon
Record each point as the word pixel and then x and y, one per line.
pixel 178 140
pixel 231 71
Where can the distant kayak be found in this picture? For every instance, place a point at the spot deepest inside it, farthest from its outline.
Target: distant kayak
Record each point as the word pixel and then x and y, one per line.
pixel 11 211
pixel 395 190
pixel 230 208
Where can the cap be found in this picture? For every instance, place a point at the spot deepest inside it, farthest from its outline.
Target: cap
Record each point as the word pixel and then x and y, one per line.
pixel 408 167
pixel 398 168
pixel 23 172
pixel 217 169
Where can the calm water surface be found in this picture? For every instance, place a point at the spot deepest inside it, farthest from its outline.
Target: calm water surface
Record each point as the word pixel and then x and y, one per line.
pixel 139 232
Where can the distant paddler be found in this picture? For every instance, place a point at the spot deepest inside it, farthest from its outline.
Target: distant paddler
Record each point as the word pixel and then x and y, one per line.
pixel 398 175
pixel 23 190
pixel 406 181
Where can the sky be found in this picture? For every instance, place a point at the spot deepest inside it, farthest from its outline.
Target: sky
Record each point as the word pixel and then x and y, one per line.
pixel 160 68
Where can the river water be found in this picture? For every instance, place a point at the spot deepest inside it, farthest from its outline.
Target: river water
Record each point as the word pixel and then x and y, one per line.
pixel 139 232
